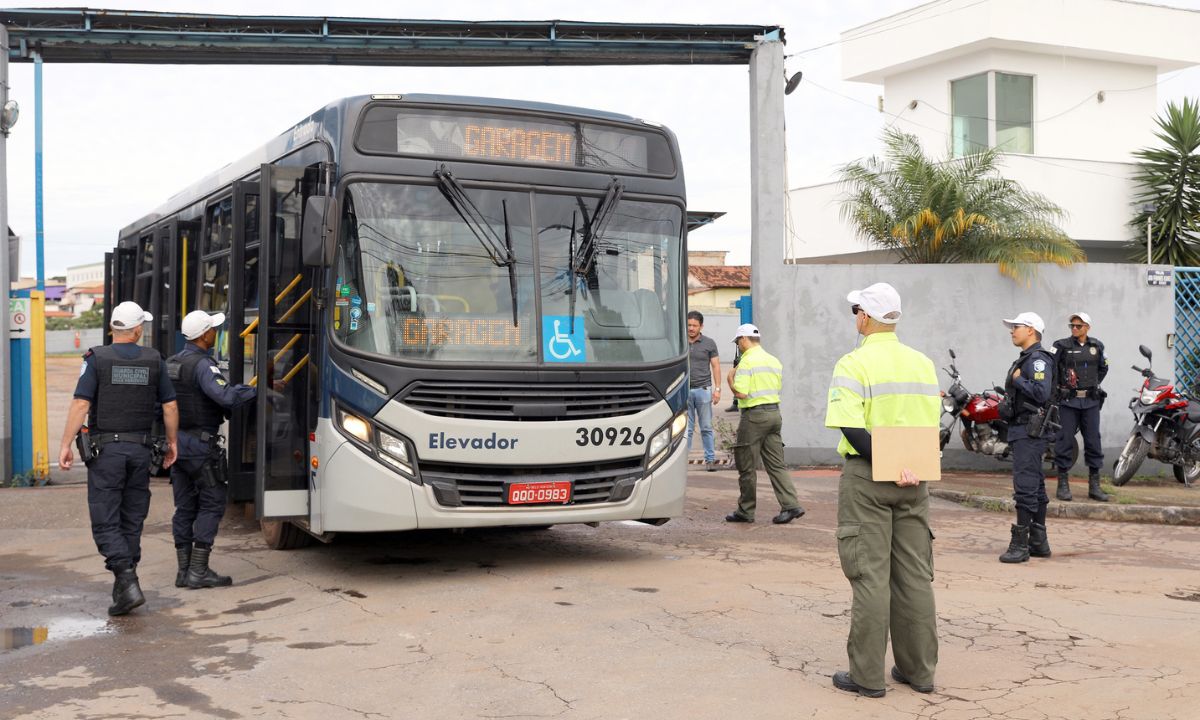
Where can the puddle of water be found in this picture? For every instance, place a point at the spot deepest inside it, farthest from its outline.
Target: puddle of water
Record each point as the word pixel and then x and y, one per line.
pixel 66 628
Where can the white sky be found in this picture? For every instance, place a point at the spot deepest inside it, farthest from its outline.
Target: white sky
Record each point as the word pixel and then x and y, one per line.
pixel 120 139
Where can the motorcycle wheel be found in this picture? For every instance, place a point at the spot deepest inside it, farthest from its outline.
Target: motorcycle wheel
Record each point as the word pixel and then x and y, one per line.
pixel 1052 464
pixel 1131 458
pixel 1187 474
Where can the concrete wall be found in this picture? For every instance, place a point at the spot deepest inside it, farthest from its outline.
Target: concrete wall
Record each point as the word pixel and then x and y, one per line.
pixel 63 341
pixel 805 320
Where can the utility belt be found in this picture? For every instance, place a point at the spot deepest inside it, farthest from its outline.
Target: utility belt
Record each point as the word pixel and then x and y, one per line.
pixel 91 444
pixel 214 471
pixel 764 406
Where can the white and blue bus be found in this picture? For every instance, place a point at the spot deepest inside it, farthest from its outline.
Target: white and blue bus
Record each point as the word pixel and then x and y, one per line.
pixel 459 312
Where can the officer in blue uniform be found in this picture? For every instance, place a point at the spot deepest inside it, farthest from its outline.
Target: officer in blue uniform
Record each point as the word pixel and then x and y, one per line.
pixel 199 479
pixel 120 389
pixel 1080 367
pixel 1027 390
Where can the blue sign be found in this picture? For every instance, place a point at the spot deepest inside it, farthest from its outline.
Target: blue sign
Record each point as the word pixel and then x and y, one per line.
pixel 561 342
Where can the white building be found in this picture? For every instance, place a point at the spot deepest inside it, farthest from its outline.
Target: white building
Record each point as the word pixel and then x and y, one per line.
pixel 1067 88
pixel 90 274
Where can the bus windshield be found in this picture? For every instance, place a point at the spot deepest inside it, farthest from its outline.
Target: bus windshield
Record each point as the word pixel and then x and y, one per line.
pixel 419 278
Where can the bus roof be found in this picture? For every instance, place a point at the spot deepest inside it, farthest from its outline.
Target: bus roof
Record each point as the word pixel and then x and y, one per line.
pixel 292 138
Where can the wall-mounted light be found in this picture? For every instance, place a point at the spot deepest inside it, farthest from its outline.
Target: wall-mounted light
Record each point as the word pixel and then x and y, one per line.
pixel 1100 96
pixel 9 115
pixel 793 82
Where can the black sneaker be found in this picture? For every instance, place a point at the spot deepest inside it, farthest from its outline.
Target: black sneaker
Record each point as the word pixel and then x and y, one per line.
pixel 898 677
pixel 843 681
pixel 736 518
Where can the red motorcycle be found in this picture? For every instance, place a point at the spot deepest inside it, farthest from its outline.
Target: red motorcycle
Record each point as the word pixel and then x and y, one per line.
pixel 1166 427
pixel 983 431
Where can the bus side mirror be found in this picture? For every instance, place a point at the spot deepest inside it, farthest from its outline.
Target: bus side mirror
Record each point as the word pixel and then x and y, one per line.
pixel 315 231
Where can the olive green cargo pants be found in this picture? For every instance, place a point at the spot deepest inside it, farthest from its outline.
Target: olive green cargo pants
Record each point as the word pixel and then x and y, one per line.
pixel 758 437
pixel 886 550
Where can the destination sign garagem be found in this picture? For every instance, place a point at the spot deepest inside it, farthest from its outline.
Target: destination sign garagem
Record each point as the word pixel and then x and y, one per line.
pixel 494 137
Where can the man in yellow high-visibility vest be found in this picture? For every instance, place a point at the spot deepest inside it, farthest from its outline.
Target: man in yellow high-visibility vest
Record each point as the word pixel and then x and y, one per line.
pixel 756 382
pixel 883 535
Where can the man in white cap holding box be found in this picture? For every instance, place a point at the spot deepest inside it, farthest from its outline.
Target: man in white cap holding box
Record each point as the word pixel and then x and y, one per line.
pixel 199 480
pixel 1080 367
pixel 120 389
pixel 1027 395
pixel 883 537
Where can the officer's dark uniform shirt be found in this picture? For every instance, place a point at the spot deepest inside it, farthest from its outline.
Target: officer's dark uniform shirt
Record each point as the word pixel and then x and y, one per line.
pixel 1090 364
pixel 213 384
pixel 89 379
pixel 1033 387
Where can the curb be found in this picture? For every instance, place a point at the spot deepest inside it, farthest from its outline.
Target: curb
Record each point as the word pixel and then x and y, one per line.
pixel 1156 514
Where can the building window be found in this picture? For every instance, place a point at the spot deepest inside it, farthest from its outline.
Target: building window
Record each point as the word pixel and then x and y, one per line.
pixel 992 109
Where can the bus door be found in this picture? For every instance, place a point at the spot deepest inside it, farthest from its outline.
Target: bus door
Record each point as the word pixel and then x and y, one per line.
pixel 168 339
pixel 286 364
pixel 147 286
pixel 241 338
pixel 110 287
pixel 120 285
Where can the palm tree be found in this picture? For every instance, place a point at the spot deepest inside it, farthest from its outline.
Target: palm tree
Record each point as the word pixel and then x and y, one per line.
pixel 958 211
pixel 1168 178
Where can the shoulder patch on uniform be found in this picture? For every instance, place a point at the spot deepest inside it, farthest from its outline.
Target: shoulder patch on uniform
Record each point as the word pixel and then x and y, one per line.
pixel 220 381
pixel 215 370
pixel 1039 376
pixel 1039 365
pixel 82 368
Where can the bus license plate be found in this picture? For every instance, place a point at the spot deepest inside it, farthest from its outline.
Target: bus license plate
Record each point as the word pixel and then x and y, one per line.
pixel 539 493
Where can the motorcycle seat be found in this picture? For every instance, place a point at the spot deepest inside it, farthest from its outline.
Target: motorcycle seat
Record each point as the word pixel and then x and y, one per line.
pixel 1193 411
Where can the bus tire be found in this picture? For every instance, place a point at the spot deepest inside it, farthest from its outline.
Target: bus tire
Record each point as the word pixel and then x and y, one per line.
pixel 283 535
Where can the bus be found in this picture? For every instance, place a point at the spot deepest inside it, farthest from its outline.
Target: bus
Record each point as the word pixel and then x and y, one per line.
pixel 458 312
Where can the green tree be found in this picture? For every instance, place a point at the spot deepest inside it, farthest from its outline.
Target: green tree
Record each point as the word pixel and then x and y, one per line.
pixel 956 211
pixel 1169 179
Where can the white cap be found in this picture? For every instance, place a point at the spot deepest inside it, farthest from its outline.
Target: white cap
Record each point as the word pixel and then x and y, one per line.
pixel 198 322
pixel 1083 317
pixel 746 330
pixel 128 315
pixel 1027 319
pixel 880 301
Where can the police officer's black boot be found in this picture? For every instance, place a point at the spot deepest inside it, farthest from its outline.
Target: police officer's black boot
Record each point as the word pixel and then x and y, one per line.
pixel 1064 487
pixel 183 553
pixel 1094 491
pixel 199 575
pixel 1039 546
pixel 1018 547
pixel 126 594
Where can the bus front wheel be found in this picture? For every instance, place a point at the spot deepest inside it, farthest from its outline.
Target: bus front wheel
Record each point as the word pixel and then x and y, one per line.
pixel 283 535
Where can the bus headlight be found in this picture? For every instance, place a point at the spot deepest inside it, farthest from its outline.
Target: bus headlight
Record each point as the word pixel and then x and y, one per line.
pixel 678 425
pixel 662 441
pixel 354 426
pixel 658 443
pixel 394 451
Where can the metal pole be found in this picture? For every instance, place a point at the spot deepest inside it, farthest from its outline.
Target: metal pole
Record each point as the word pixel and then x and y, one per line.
pixel 5 365
pixel 37 169
pixel 1149 261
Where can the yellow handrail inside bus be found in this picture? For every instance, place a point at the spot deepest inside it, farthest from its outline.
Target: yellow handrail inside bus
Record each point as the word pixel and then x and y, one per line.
pixel 299 302
pixel 288 346
pixel 249 329
pixel 292 373
pixel 284 293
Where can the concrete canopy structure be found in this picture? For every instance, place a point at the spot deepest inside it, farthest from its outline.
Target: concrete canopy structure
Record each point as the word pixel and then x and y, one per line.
pixel 1087 74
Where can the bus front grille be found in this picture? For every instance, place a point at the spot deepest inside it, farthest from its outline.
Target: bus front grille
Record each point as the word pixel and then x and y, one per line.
pixel 532 402
pixel 456 485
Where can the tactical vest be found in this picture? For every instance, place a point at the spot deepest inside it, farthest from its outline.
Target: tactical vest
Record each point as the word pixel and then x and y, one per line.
pixel 1083 359
pixel 126 391
pixel 1017 400
pixel 197 411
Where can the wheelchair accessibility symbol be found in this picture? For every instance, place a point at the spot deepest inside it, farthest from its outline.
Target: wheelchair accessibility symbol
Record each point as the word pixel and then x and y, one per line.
pixel 559 342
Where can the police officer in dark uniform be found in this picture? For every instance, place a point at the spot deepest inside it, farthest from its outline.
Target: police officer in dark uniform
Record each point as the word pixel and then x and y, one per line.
pixel 118 394
pixel 199 477
pixel 1027 390
pixel 1080 367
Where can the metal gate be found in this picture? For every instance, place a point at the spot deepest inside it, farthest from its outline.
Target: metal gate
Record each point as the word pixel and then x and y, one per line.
pixel 1187 327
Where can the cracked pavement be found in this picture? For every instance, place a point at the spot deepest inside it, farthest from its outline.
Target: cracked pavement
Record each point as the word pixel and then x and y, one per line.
pixel 695 619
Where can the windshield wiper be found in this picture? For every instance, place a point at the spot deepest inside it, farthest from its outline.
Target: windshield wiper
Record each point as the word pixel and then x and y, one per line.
pixel 584 264
pixel 500 251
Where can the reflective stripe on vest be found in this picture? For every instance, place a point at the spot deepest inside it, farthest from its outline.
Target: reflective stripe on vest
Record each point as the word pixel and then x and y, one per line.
pixel 759 376
pixel 882 383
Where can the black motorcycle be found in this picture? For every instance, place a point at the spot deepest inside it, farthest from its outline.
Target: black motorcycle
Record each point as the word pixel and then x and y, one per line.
pixel 1166 427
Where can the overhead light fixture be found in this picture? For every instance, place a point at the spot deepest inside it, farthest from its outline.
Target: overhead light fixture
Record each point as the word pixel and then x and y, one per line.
pixel 793 82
